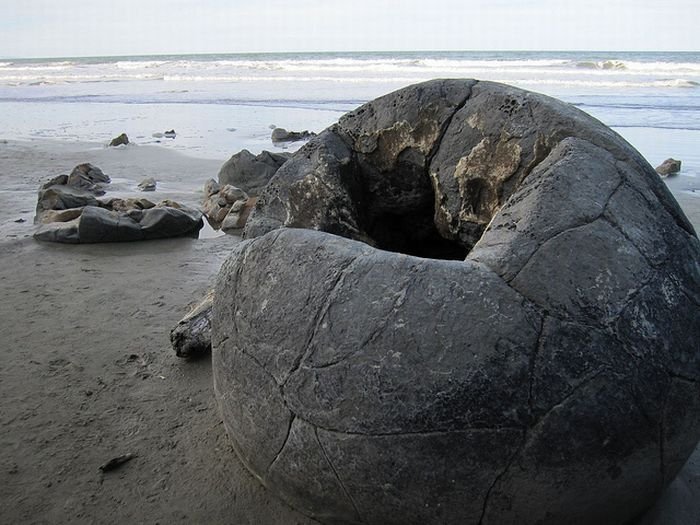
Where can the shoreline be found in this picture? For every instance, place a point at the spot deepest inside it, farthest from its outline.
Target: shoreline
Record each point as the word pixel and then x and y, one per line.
pixel 88 372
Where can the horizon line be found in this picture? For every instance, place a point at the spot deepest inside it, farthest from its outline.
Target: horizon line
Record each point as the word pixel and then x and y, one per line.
pixel 211 53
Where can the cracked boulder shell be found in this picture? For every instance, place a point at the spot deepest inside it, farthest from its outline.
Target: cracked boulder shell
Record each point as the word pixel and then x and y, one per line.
pixel 503 329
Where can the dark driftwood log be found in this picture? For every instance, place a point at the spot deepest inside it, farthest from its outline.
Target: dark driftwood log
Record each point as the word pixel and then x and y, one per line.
pixel 191 337
pixel 117 462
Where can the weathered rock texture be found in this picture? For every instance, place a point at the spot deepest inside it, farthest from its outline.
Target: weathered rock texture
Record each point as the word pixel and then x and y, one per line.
pixel 549 374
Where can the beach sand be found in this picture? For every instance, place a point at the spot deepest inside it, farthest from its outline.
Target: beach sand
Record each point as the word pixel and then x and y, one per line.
pixel 87 371
pixel 88 374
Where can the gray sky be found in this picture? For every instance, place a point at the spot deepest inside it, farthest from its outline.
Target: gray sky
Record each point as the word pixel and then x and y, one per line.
pixel 41 28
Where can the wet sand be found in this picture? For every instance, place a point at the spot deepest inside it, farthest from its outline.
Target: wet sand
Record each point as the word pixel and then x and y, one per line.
pixel 88 374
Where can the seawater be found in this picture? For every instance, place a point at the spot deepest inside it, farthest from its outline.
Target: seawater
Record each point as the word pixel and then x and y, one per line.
pixel 221 103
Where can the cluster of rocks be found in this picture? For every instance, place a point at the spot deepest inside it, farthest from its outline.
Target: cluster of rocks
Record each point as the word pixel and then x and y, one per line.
pixel 549 373
pixel 68 211
pixel 123 139
pixel 170 134
pixel 226 207
pixel 229 202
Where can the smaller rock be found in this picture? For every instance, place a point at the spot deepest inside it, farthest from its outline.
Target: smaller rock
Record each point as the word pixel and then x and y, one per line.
pixel 192 335
pixel 59 180
pixel 211 187
pixel 20 220
pixel 62 197
pixel 117 204
pixel 63 232
pixel 218 205
pixel 232 194
pixel 669 167
pixel 282 135
pixel 61 215
pixel 119 141
pixel 238 215
pixel 88 177
pixel 148 184
pixel 170 134
pixel 251 172
pixel 160 222
pixel 167 203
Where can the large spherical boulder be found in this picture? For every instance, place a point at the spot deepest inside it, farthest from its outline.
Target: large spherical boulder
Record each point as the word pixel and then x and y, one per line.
pixel 504 329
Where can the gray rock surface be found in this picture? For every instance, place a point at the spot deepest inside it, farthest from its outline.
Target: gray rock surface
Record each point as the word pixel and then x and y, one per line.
pixel 238 215
pixel 102 225
pixel 64 232
pixel 251 172
pixel 61 197
pixel 549 373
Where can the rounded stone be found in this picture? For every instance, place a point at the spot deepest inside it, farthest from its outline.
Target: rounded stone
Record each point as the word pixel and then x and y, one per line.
pixel 503 328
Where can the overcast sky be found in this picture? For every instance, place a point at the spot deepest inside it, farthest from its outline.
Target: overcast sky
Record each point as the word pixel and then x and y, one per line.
pixel 51 28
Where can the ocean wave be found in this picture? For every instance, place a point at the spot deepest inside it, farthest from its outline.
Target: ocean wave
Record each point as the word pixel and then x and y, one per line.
pixel 351 65
pixel 140 64
pixel 665 83
pixel 39 68
pixel 567 70
pixel 414 65
pixel 655 126
pixel 649 68
pixel 604 64
pixel 617 84
pixel 62 79
pixel 280 78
